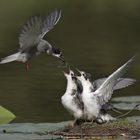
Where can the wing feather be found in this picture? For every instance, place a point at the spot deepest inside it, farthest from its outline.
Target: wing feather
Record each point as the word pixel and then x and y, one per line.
pixel 36 28
pixel 121 83
pixel 105 91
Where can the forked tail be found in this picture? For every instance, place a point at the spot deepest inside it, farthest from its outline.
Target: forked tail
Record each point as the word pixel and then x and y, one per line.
pixel 10 58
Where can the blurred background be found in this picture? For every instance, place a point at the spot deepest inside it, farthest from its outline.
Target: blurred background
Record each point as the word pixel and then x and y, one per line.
pixel 96 36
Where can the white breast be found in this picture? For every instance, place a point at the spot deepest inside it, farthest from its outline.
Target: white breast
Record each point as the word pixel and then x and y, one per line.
pixel 91 107
pixel 72 107
pixel 23 57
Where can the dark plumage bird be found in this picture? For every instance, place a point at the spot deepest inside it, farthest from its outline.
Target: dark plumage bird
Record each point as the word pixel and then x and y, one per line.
pixel 31 39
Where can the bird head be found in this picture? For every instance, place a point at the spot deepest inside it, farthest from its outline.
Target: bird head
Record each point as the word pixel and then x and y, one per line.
pixel 70 75
pixel 84 76
pixel 58 53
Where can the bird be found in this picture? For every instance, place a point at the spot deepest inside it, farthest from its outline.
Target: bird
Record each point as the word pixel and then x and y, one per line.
pixel 31 39
pixel 94 99
pixel 104 116
pixel 93 85
pixel 70 100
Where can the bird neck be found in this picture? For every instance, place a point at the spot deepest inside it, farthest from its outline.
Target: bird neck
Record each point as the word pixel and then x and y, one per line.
pixel 71 85
pixel 87 86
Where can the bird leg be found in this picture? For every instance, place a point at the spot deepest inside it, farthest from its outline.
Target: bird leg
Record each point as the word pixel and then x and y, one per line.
pixel 26 67
pixel 116 110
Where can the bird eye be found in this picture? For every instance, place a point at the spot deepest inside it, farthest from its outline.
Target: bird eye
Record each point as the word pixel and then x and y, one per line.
pixel 72 74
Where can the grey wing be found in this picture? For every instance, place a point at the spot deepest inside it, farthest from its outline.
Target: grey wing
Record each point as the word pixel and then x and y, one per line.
pixel 50 21
pixel 121 83
pixel 105 91
pixel 97 83
pixel 35 29
pixel 124 82
pixel 79 86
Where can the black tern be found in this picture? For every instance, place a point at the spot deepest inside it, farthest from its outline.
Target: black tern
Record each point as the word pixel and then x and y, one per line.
pixel 31 39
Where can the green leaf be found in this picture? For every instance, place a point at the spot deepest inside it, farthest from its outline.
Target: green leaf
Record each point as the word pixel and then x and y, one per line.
pixel 5 115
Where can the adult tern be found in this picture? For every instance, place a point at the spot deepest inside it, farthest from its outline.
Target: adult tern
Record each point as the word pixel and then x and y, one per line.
pixel 31 39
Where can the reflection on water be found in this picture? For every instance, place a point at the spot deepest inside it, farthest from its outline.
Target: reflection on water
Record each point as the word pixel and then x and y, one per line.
pixel 96 36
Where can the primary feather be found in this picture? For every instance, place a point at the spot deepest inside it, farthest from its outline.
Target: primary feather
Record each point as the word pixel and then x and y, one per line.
pixel 36 28
pixel 105 91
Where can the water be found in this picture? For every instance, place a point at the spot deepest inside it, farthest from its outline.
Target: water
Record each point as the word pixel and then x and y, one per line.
pixel 95 36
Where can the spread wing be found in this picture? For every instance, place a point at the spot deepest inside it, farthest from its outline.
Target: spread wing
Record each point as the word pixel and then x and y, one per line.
pixel 105 91
pixel 121 83
pixel 124 82
pixel 36 28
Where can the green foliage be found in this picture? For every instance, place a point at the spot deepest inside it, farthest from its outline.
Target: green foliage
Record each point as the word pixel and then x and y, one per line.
pixel 5 115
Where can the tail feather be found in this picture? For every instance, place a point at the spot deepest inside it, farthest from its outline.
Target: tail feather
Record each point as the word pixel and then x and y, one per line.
pixel 10 58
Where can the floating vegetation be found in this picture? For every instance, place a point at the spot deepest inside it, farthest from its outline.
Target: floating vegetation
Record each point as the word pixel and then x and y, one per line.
pixel 121 127
pixel 5 115
pixel 130 99
pixel 126 106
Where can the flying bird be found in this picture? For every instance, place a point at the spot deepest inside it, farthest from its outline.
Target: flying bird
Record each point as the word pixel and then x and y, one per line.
pixel 31 39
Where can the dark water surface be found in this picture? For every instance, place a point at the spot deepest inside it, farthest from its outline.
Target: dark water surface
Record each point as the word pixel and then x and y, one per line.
pixel 96 36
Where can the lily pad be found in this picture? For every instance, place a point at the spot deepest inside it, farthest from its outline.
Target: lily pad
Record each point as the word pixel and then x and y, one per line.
pixel 22 136
pixel 134 119
pixel 39 128
pixel 31 131
pixel 5 115
pixel 127 99
pixel 126 106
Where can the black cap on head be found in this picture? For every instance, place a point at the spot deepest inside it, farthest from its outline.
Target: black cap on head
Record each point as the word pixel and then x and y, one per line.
pixel 58 53
pixel 56 50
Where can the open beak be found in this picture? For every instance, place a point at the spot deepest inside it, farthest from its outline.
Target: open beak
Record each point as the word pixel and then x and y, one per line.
pixel 62 59
pixel 74 78
pixel 66 72
pixel 78 71
pixel 69 69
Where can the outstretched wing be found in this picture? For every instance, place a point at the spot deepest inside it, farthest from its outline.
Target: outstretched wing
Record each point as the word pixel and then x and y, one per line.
pixel 124 82
pixel 36 28
pixel 121 83
pixel 105 91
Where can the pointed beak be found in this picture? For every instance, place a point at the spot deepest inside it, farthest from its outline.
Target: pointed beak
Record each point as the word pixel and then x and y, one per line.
pixel 66 72
pixel 70 69
pixel 62 59
pixel 78 71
